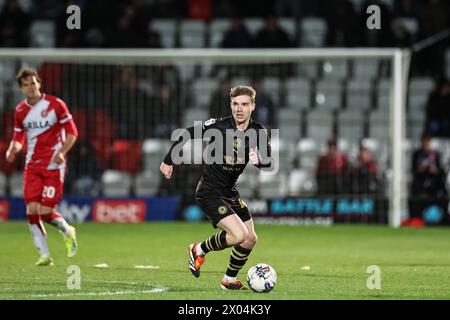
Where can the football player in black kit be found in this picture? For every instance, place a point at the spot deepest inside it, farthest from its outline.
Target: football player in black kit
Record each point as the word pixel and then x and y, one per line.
pixel 216 191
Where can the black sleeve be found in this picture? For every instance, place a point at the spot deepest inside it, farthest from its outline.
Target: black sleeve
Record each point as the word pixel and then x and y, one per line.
pixel 265 158
pixel 187 135
pixel 182 140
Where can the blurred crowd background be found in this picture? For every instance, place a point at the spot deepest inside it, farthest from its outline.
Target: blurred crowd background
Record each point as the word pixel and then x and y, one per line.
pixel 333 113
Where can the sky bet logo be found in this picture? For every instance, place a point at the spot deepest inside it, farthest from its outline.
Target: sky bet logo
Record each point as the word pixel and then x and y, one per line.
pixel 323 206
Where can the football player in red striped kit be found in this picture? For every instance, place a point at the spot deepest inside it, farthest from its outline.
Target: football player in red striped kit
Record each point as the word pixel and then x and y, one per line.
pixel 47 124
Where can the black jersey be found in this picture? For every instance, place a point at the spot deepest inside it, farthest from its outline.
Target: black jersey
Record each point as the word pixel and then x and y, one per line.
pixel 221 171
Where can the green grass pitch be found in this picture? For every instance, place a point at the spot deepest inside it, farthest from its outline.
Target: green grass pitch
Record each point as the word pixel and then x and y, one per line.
pixel 414 263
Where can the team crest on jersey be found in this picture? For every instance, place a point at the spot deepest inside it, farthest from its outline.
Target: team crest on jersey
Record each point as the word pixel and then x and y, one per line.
pixel 222 210
pixel 237 143
pixel 44 113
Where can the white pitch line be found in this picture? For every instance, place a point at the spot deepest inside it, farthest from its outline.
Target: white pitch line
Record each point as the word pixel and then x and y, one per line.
pixel 94 294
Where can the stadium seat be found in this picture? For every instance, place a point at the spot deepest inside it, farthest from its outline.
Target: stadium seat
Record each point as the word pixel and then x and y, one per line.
pixel 202 91
pixel 247 182
pixel 7 71
pixel 283 153
pixel 320 124
pixel 254 25
pixel 272 86
pixel 307 152
pixel 116 183
pixel 16 184
pixel 44 33
pixel 3 184
pixel 313 31
pixel 217 29
pixel 192 34
pixel 301 183
pixel 365 69
pixel 298 91
pixel 351 125
pixel 335 69
pixel 146 183
pixel 290 123
pixel 329 94
pixel 272 186
pixel 383 94
pixel 154 151
pixel 308 69
pixel 359 95
pixel 289 25
pixel 193 115
pixel 379 125
pixel 167 30
pixel 418 94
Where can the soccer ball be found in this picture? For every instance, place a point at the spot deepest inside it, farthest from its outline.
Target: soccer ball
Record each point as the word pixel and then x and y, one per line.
pixel 261 278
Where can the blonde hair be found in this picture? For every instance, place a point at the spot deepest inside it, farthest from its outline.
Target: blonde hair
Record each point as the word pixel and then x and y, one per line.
pixel 242 90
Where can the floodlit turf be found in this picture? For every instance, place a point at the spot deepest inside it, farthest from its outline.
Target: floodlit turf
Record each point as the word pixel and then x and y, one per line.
pixel 414 263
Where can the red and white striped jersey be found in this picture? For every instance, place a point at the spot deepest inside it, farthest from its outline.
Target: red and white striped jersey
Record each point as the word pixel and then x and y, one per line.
pixel 45 124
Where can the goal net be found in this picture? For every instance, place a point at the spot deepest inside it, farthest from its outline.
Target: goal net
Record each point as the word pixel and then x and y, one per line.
pixel 127 103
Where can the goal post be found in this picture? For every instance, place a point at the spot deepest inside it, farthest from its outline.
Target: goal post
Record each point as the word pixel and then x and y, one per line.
pixel 399 64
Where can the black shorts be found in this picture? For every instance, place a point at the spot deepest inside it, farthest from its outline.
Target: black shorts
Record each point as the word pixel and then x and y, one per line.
pixel 217 207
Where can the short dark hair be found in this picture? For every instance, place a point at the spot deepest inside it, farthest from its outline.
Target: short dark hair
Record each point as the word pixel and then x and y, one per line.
pixel 241 90
pixel 25 73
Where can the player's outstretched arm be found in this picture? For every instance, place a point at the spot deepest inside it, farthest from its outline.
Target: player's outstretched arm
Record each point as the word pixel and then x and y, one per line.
pixel 13 149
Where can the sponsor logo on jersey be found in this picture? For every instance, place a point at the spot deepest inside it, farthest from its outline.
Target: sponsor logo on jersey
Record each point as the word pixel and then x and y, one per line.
pixel 222 209
pixel 36 125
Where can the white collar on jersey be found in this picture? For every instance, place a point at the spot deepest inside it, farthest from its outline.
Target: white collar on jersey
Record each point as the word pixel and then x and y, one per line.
pixel 31 106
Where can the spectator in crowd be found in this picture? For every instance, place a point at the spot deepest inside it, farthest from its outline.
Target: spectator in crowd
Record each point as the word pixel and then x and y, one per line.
pixel 438 111
pixel 165 113
pixel 272 36
pixel 342 23
pixel 14 25
pixel 131 27
pixel 237 36
pixel 332 170
pixel 400 36
pixel 130 106
pixel 364 172
pixel 428 175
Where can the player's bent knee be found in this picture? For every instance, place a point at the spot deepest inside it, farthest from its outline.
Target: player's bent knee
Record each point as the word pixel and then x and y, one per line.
pixel 238 236
pixel 251 240
pixel 32 208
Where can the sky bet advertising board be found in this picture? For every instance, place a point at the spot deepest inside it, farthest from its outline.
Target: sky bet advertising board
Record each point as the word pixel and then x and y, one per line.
pixel 101 210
